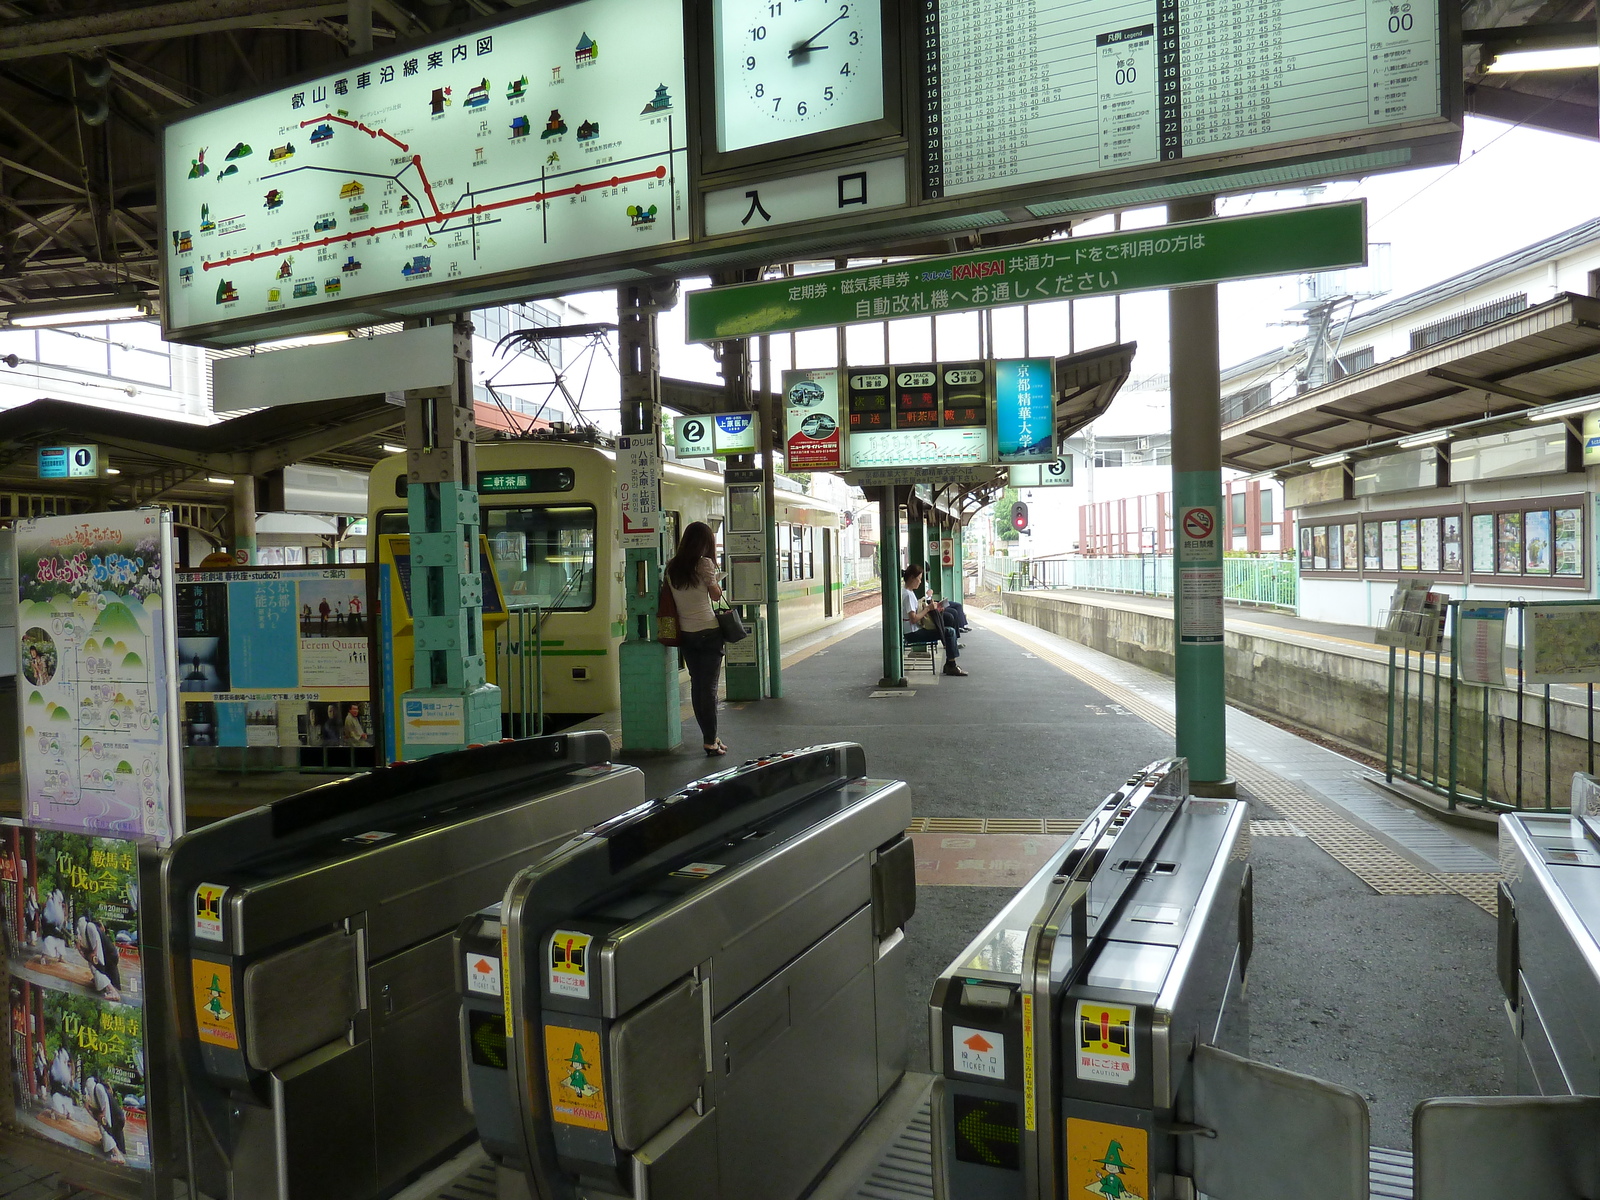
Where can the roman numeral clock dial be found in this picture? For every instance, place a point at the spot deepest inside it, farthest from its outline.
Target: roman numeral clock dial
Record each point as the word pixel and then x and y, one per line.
pixel 787 68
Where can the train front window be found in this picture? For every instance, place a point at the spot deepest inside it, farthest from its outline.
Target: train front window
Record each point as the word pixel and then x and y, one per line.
pixel 544 555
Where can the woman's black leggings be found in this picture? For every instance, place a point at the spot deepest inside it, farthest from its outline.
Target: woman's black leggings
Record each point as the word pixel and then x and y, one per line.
pixel 702 654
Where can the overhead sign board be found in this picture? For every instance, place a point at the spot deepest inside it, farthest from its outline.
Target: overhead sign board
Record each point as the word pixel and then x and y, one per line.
pixel 69 462
pixel 398 183
pixel 1322 237
pixel 716 434
pixel 1091 91
pixel 814 439
pixel 1055 473
pixel 1025 410
pixel 639 491
pixel 920 448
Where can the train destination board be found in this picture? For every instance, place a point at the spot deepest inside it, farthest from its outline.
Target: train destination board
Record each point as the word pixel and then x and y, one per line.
pixel 556 137
pixel 1027 91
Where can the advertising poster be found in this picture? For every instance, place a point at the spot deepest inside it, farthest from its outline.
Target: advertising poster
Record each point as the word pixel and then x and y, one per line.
pixel 1024 410
pixel 76 990
pixel 96 688
pixel 1482 644
pixel 275 658
pixel 814 440
pixel 1563 643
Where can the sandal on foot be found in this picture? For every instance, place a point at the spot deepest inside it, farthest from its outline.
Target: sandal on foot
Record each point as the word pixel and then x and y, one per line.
pixel 717 750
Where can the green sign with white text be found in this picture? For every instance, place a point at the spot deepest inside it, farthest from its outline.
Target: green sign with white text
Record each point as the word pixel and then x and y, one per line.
pixel 1321 238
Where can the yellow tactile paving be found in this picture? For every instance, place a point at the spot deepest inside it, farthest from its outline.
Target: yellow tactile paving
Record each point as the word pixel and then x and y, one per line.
pixel 1373 862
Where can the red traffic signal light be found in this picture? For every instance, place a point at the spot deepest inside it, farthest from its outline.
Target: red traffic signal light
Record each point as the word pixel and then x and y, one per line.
pixel 1019 517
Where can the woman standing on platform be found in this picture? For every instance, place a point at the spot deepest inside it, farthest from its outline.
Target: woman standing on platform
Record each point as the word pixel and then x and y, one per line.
pixel 692 576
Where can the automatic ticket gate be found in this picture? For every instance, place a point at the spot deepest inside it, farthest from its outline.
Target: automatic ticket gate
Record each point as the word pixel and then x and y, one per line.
pixel 706 997
pixel 1062 1036
pixel 311 968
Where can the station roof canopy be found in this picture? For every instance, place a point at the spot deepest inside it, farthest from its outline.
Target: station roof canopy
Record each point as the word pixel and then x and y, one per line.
pixel 1487 378
pixel 86 85
pixel 163 460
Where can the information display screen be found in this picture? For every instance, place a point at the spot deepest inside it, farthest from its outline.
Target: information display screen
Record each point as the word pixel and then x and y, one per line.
pixel 550 139
pixel 1022 91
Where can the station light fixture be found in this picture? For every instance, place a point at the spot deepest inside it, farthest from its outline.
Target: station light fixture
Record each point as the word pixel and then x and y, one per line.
pixel 92 316
pixel 1557 412
pixel 1561 58
pixel 1425 439
pixel 219 479
pixel 391 448
pixel 1330 460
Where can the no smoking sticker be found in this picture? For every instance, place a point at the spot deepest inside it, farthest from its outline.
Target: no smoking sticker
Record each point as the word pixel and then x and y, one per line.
pixel 1197 535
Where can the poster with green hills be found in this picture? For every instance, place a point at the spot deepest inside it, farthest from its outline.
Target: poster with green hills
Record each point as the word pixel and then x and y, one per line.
pixel 96 672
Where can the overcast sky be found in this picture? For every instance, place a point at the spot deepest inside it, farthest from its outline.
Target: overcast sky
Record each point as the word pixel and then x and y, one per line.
pixel 1513 186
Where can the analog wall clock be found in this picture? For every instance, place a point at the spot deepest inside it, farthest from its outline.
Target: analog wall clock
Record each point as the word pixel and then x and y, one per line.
pixel 791 68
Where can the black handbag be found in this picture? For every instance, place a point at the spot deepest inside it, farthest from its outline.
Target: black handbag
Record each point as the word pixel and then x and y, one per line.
pixel 732 627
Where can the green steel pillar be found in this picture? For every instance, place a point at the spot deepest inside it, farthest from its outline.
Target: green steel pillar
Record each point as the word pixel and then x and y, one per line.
pixel 894 671
pixel 648 670
pixel 935 569
pixel 773 434
pixel 450 704
pixel 1198 670
pixel 957 586
pixel 916 541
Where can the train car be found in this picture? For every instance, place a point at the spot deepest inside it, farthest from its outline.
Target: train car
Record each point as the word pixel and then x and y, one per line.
pixel 549 514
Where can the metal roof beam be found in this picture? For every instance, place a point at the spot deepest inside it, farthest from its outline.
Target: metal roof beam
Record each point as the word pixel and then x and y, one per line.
pixel 270 458
pixel 1493 387
pixel 156 22
pixel 1287 441
pixel 1370 418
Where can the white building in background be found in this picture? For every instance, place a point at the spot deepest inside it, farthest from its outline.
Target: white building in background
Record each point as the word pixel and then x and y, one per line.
pixel 1498 508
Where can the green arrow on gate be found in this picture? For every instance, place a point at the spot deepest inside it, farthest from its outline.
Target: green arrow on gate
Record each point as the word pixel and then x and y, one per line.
pixel 983 1135
pixel 1319 238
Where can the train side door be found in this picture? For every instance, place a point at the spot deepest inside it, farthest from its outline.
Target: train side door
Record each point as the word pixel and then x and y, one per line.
pixel 827 572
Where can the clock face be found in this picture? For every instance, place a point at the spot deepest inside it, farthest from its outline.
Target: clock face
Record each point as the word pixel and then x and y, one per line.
pixel 786 68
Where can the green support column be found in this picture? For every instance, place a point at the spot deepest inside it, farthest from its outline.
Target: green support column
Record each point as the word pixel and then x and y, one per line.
pixel 648 671
pixel 894 671
pixel 957 566
pixel 916 541
pixel 1198 668
pixel 935 569
pixel 450 705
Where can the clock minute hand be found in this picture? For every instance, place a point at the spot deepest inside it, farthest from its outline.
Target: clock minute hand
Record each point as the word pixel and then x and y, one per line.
pixel 806 46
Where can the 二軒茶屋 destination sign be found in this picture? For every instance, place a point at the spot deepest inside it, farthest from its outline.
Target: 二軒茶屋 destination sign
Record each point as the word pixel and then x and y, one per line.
pixel 1320 238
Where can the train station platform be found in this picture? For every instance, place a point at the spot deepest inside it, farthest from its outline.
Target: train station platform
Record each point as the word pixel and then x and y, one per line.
pixel 1375 941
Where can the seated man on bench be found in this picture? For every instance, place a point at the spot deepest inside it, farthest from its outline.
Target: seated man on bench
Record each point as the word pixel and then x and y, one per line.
pixel 914 612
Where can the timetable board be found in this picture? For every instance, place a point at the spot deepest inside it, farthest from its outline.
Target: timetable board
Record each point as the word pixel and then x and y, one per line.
pixel 555 137
pixel 1028 91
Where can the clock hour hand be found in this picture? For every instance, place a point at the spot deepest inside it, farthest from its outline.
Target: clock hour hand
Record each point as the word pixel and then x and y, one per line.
pixel 807 46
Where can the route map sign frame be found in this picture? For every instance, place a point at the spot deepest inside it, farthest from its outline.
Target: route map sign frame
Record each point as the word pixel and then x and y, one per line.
pixel 251 247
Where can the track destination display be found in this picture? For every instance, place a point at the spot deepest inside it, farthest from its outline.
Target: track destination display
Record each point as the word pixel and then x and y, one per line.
pixel 1026 91
pixel 557 137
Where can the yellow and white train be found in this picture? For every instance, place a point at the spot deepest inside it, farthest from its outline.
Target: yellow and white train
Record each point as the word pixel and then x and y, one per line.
pixel 549 514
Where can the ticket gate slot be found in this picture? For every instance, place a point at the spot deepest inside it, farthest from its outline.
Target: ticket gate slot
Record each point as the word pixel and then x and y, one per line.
pixel 311 973
pixel 1062 1035
pixel 707 995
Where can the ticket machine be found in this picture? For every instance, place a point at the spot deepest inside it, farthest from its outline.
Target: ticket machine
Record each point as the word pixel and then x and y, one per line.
pixel 311 973
pixel 705 998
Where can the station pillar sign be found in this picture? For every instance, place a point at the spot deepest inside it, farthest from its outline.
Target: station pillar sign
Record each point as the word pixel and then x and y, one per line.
pixel 69 462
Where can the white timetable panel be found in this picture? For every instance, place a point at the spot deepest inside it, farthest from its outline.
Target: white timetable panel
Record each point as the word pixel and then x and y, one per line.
pixel 1028 91
pixel 535 142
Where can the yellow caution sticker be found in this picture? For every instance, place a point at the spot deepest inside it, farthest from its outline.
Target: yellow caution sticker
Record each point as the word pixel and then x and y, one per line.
pixel 569 964
pixel 208 911
pixel 1029 1114
pixel 505 959
pixel 213 1003
pixel 1112 1161
pixel 577 1086
pixel 1105 1043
